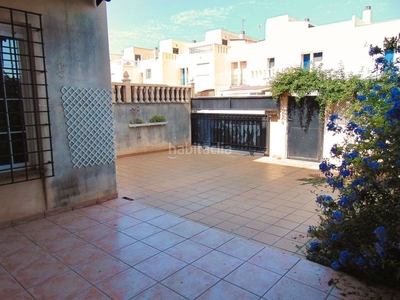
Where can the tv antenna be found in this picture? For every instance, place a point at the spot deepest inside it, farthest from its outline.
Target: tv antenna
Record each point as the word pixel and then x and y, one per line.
pixel 243 20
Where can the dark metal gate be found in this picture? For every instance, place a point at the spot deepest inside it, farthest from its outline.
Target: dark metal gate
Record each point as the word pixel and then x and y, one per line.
pixel 304 129
pixel 233 131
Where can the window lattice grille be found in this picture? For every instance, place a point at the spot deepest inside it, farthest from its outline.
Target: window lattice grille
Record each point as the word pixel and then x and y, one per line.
pixel 90 125
pixel 25 135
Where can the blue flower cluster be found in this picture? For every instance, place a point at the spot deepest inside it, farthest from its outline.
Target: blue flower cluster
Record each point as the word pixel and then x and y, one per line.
pixel 367 183
pixel 324 200
pixel 347 202
pixel 382 236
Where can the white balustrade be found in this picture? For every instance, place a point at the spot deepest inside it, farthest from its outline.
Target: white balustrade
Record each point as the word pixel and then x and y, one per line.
pixel 127 92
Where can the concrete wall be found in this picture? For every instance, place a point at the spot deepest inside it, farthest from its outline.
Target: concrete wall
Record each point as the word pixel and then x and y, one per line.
pixel 76 50
pixel 154 138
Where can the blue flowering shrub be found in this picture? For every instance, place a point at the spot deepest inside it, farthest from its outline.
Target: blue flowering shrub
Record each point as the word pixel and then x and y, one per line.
pixel 359 227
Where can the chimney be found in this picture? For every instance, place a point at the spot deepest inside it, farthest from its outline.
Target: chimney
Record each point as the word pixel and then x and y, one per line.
pixel 367 15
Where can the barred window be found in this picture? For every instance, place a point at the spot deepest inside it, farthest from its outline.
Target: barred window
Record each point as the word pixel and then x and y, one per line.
pixel 25 136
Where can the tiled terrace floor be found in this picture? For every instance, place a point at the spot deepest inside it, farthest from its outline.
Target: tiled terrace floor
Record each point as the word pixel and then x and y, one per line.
pixel 245 195
pixel 128 250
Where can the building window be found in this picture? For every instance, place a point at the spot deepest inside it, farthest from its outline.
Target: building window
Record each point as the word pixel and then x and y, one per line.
pixel 306 61
pixel 309 58
pixel 225 42
pixel 138 57
pixel 25 136
pixel 239 73
pixel 317 57
pixel 271 63
pixel 148 73
pixel 175 50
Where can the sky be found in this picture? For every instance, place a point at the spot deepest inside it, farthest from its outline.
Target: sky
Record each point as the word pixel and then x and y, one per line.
pixel 144 23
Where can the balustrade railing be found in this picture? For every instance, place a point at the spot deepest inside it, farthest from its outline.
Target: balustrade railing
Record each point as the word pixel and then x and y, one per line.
pixel 127 92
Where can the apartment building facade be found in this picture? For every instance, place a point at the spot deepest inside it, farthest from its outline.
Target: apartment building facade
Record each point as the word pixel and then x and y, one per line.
pixel 226 64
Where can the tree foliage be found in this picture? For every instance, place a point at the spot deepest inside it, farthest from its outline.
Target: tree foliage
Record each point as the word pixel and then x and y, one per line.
pixel 359 229
pixel 330 86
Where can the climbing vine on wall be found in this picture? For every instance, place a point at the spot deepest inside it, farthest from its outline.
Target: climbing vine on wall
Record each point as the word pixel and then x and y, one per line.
pixel 330 86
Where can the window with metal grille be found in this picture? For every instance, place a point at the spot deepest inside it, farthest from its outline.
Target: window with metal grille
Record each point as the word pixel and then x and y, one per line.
pixel 25 136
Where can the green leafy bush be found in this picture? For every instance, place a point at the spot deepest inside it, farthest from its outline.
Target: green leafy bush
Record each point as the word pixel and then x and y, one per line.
pixel 332 86
pixel 157 118
pixel 359 229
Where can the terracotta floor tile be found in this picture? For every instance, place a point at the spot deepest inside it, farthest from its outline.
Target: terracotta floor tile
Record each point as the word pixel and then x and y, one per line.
pixel 163 240
pixel 224 214
pixel 65 243
pixel 181 212
pixel 39 272
pixel 212 238
pixel 187 229
pixel 240 220
pixel 188 251
pixel 211 221
pixel 81 255
pixel 190 282
pixel 266 238
pixel 93 210
pixel 251 214
pixel 246 232
pixel 113 203
pixel 130 207
pixel 253 279
pixel 313 275
pixel 135 253
pixel 91 293
pixel 274 261
pixel 258 225
pixel 195 216
pixel 122 223
pixel 289 245
pixel 240 248
pixel 147 214
pixel 113 241
pixel 277 230
pixel 226 290
pixel 125 285
pixel 160 266
pixel 141 231
pixel 20 296
pixel 9 286
pixel 8 234
pixel 107 216
pixel 166 221
pixel 36 225
pixel 228 226
pixel 23 257
pixel 217 263
pixel 94 233
pixel 63 286
pixel 158 292
pixel 50 233
pixel 287 224
pixel 64 217
pixel 78 223
pixel 101 269
pixel 287 288
pixel 14 244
